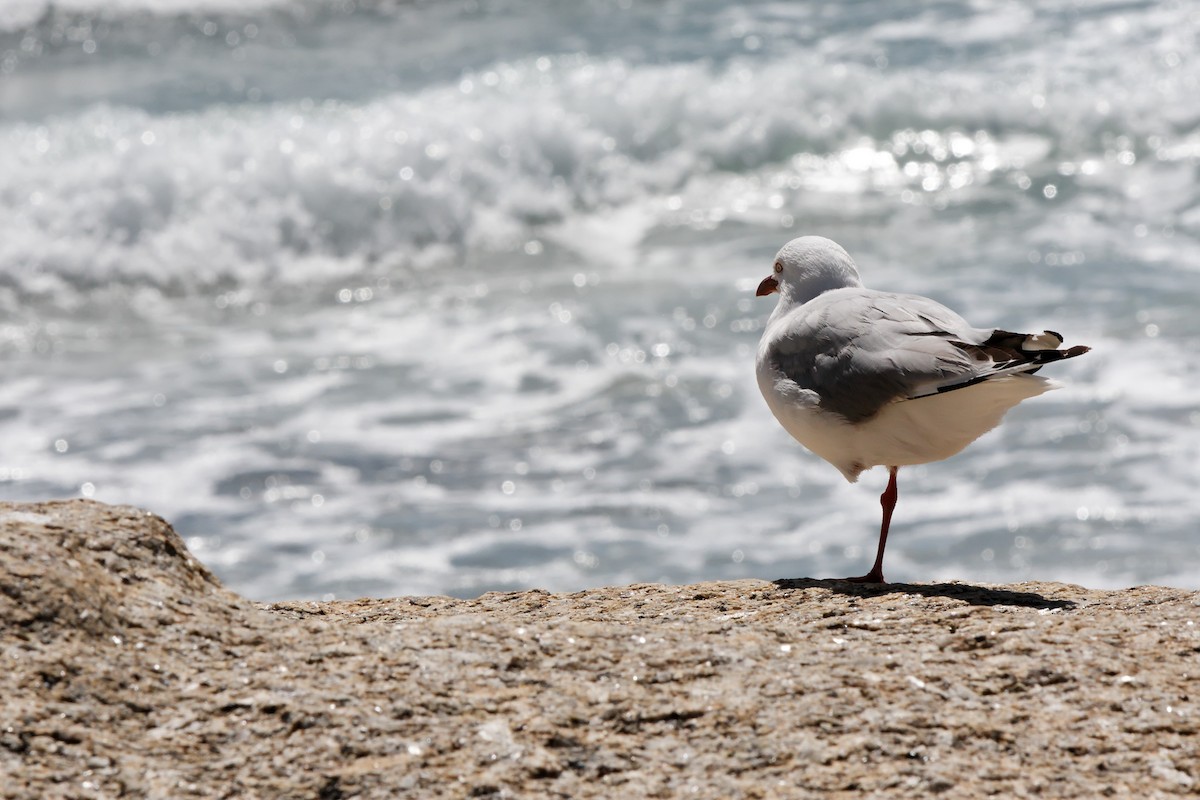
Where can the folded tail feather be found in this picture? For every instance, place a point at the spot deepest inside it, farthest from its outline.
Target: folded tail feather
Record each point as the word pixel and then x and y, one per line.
pixel 1011 353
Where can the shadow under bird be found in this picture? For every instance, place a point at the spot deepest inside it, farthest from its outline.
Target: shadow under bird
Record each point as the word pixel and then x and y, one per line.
pixel 865 378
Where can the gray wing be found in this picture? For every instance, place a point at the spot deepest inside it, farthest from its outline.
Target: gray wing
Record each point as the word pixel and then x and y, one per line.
pixel 860 350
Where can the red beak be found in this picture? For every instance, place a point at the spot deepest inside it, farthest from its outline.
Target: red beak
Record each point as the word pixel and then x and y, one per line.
pixel 768 286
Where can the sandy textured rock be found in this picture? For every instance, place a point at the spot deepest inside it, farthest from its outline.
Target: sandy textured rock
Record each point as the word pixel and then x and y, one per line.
pixel 126 670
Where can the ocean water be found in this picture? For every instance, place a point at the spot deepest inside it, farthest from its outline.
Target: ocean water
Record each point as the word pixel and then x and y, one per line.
pixel 415 297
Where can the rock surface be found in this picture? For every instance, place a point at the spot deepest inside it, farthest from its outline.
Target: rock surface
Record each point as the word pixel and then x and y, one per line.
pixel 127 670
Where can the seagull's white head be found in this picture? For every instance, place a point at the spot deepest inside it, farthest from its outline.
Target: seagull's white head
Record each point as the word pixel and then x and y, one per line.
pixel 808 266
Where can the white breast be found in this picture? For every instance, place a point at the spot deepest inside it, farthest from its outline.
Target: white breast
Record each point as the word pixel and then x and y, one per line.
pixel 902 433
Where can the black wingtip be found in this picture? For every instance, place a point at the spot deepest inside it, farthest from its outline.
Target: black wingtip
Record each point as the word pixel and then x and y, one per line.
pixel 1047 356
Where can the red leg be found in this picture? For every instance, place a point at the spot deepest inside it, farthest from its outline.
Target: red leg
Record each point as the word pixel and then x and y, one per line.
pixel 888 501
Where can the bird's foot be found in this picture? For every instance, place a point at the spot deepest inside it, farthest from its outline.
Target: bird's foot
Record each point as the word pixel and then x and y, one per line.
pixel 874 576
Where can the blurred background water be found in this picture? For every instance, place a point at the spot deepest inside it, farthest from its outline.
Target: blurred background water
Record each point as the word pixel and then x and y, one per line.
pixel 445 297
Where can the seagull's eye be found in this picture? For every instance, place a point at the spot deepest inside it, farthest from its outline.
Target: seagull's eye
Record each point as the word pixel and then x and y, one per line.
pixel 778 268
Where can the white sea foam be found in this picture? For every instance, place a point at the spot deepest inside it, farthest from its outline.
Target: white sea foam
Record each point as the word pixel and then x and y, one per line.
pixel 478 314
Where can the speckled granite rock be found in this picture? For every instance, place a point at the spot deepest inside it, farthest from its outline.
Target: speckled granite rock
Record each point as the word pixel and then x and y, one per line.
pixel 126 670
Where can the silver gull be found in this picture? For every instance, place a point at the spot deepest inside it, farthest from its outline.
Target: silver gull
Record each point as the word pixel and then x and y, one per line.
pixel 865 378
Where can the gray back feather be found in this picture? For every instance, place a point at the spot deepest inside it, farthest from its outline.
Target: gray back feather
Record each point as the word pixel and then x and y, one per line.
pixel 860 350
